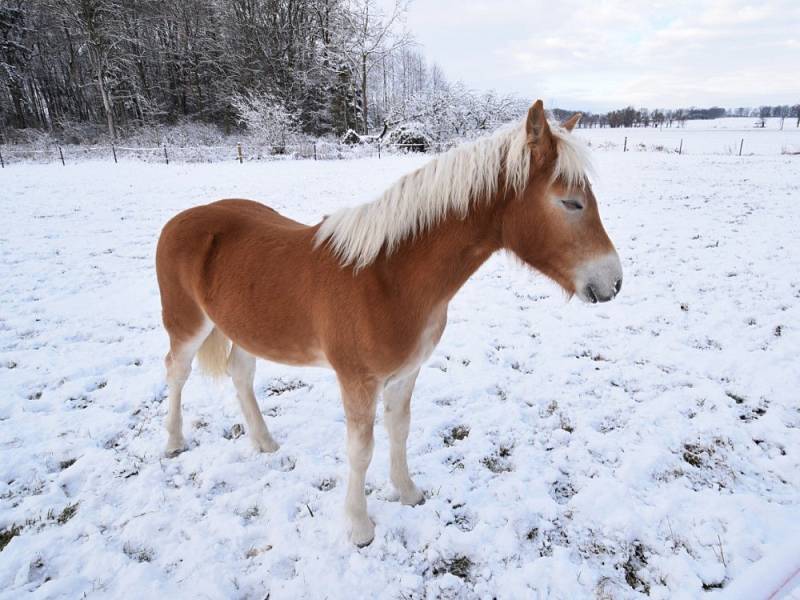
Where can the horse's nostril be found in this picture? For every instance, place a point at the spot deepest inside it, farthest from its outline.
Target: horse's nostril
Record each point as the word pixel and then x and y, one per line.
pixel 591 295
pixel 617 286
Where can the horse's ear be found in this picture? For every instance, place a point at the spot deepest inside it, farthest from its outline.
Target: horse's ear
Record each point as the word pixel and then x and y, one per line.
pixel 539 137
pixel 536 123
pixel 570 123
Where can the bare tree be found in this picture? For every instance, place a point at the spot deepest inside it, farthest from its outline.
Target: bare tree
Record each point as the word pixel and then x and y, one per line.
pixel 93 19
pixel 372 36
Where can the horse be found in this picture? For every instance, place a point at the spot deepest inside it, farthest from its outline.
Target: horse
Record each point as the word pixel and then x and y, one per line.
pixel 366 291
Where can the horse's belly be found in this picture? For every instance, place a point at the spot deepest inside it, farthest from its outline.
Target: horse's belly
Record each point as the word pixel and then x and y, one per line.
pixel 274 335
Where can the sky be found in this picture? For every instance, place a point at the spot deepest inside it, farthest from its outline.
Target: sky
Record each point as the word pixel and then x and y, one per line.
pixel 606 54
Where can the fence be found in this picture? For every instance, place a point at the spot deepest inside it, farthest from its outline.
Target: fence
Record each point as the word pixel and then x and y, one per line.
pixel 199 154
pixel 321 150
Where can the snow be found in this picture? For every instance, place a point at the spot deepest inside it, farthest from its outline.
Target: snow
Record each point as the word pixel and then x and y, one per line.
pixel 706 136
pixel 649 445
pixel 777 571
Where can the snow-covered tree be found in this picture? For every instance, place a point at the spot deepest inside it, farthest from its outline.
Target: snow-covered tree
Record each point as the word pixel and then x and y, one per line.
pixel 265 116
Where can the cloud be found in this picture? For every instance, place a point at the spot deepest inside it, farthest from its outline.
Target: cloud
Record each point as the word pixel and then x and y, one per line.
pixel 617 52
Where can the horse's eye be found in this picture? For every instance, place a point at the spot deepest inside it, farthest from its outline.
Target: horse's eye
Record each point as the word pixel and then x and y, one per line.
pixel 571 204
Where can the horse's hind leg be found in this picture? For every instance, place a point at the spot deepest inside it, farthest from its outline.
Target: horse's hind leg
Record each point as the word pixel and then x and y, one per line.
pixel 242 369
pixel 179 365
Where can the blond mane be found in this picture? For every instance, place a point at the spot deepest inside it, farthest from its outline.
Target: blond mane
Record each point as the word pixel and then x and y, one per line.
pixel 447 184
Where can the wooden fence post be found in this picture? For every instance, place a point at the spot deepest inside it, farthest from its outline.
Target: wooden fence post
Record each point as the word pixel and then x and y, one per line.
pixel 239 152
pixel 680 148
pixel 166 156
pixel 379 148
pixel 2 164
pixel 740 146
pixel 625 144
pixel 315 150
pixel 114 152
pixel 61 154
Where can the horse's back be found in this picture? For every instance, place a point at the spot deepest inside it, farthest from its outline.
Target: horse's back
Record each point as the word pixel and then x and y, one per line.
pixel 252 213
pixel 240 262
pixel 230 217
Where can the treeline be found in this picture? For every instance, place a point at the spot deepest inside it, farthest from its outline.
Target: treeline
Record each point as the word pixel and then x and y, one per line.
pixel 86 70
pixel 643 117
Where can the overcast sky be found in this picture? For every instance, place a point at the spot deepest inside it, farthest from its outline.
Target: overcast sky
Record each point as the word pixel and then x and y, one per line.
pixel 605 54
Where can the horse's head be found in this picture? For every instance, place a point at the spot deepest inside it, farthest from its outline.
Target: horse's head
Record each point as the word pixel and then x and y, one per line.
pixel 553 224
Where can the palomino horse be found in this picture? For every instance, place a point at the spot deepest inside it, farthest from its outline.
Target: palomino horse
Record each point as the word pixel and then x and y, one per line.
pixel 365 291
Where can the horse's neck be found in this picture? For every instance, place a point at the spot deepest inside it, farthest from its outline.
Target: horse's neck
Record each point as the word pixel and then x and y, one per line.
pixel 432 266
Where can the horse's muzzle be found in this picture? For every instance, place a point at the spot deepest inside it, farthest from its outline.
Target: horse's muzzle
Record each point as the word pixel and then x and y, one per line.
pixel 599 280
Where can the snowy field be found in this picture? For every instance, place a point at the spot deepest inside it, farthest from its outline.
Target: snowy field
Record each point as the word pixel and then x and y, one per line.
pixel 649 446
pixel 703 136
pixel 722 136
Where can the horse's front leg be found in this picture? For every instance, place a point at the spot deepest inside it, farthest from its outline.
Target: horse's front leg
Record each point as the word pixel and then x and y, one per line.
pixel 397 417
pixel 359 395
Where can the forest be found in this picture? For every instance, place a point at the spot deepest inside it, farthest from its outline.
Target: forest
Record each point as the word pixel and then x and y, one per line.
pixel 84 71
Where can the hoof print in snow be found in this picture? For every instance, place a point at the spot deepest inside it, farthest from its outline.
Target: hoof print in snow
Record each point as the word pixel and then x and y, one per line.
pixel 79 402
pixel 460 566
pixel 498 462
pixel 455 462
pixel 562 491
pixel 710 464
pixel 753 414
pixel 138 553
pixel 457 433
pixel 636 561
pixel 461 518
pixel 326 484
pixel 235 432
pixel 250 514
pixel 545 538
pixel 697 455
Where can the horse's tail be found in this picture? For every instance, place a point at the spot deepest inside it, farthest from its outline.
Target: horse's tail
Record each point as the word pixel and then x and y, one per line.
pixel 213 354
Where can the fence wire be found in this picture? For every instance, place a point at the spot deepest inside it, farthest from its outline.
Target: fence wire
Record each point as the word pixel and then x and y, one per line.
pixel 320 150
pixel 209 154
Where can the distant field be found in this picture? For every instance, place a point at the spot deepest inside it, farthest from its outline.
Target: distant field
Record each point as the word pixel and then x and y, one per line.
pixel 716 136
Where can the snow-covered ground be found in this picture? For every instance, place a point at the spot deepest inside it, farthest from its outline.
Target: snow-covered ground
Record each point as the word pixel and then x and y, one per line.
pixel 646 446
pixel 703 136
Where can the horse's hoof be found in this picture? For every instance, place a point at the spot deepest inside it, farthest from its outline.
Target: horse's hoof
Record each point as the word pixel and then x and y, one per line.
pixel 362 535
pixel 413 498
pixel 266 445
pixel 173 451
